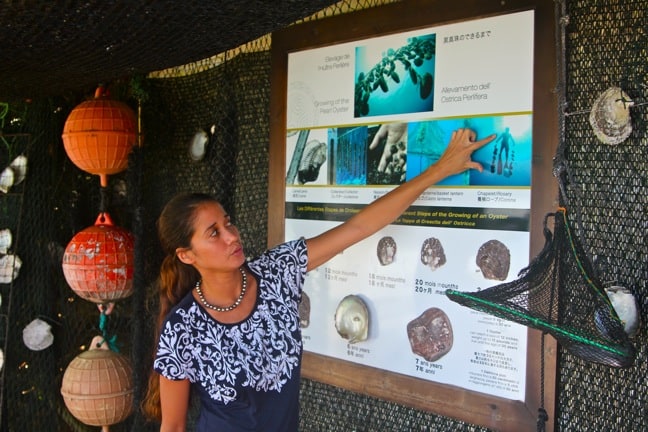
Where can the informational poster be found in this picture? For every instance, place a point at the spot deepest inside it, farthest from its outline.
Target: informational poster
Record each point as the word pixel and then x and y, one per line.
pixel 365 116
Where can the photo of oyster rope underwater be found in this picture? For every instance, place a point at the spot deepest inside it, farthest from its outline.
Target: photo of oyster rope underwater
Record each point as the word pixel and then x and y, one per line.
pixel 410 56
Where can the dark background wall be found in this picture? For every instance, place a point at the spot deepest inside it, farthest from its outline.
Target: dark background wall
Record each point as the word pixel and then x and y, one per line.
pixel 606 43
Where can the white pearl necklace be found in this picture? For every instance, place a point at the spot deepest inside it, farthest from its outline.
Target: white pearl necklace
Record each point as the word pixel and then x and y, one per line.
pixel 227 308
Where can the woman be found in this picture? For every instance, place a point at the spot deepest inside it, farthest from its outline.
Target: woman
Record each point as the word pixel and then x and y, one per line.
pixel 231 326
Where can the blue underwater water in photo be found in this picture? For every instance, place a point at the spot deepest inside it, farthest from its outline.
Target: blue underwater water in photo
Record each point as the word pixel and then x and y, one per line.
pixel 506 160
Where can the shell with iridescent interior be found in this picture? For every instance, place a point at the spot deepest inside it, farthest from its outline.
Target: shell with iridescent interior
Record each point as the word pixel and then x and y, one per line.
pixel 610 116
pixel 352 319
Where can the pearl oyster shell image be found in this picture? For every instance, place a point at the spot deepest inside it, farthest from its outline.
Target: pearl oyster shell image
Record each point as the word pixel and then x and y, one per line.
pixel 352 319
pixel 304 310
pixel 494 260
pixel 430 334
pixel 432 253
pixel 386 250
pixel 610 116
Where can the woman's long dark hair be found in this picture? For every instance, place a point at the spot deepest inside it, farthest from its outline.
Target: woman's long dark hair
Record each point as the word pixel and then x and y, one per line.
pixel 175 229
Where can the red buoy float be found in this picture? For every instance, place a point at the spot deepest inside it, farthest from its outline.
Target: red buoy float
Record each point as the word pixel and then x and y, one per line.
pixel 98 262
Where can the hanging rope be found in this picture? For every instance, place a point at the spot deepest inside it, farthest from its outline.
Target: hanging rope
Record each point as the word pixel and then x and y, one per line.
pixel 111 340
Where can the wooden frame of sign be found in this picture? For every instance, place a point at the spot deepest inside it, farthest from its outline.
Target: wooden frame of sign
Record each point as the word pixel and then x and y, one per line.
pixel 441 398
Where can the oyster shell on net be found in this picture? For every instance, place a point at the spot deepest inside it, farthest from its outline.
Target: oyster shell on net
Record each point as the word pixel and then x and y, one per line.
pixel 494 260
pixel 352 319
pixel 610 116
pixel 626 307
pixel 430 334
pixel 304 310
pixel 386 250
pixel 432 253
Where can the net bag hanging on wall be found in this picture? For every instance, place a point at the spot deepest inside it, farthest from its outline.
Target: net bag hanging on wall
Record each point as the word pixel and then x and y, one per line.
pixel 542 298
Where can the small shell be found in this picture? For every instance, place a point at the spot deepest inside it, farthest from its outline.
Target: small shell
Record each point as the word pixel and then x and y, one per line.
pixel 7 177
pixel 610 116
pixel 37 335
pixel 352 319
pixel 9 268
pixel 5 240
pixel 19 166
pixel 432 253
pixel 1 359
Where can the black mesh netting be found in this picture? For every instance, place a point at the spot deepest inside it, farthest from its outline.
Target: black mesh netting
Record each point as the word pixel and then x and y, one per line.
pixel 606 46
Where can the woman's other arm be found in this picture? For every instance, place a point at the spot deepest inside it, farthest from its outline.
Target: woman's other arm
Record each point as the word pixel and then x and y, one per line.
pixel 174 398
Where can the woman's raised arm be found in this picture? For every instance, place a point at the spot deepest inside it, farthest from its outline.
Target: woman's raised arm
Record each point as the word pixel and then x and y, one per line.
pixel 387 208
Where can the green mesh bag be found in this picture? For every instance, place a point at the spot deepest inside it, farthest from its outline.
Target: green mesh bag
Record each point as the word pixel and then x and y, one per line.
pixel 558 294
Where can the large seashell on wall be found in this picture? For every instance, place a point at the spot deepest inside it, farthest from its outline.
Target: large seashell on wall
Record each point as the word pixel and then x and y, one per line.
pixel 432 253
pixel 430 334
pixel 386 250
pixel 37 335
pixel 352 319
pixel 610 116
pixel 9 268
pixel 7 177
pixel 5 240
pixel 494 260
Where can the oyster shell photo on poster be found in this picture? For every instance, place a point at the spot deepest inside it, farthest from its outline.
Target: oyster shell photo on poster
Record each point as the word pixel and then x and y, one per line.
pixel 430 334
pixel 395 80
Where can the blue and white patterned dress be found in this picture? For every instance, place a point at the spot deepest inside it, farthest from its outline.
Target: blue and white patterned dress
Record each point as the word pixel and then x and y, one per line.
pixel 247 373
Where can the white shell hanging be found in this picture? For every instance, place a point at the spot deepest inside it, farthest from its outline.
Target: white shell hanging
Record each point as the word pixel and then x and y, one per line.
pixel 626 306
pixel 5 240
pixel 610 116
pixel 1 359
pixel 37 335
pixel 198 144
pixel 7 177
pixel 9 268
pixel 19 167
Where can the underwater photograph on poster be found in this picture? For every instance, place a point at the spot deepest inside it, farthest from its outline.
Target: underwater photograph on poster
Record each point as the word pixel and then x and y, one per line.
pixel 506 160
pixel 398 79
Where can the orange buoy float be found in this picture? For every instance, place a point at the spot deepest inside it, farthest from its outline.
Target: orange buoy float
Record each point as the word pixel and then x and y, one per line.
pixel 98 386
pixel 98 262
pixel 99 134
